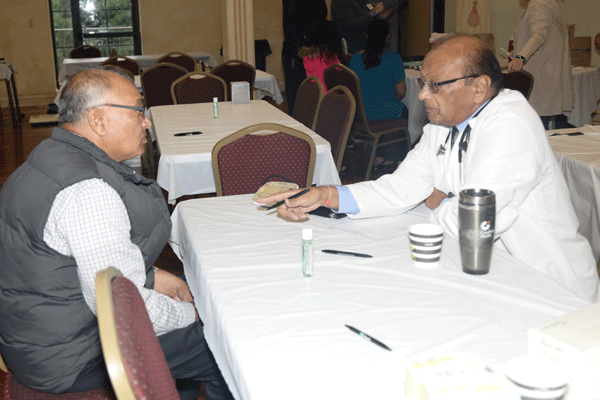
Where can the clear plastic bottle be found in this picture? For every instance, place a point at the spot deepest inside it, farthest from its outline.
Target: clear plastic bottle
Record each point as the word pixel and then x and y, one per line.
pixel 215 107
pixel 307 252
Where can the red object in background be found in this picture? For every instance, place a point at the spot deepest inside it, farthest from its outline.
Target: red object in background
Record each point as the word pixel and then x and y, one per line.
pixel 511 48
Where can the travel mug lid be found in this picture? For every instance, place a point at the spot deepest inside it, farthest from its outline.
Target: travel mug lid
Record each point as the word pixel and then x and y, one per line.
pixel 477 196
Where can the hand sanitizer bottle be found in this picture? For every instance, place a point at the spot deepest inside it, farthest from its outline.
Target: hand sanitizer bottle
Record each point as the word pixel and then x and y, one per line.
pixel 307 252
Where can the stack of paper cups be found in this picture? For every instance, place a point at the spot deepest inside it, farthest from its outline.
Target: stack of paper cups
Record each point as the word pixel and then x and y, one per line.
pixel 426 244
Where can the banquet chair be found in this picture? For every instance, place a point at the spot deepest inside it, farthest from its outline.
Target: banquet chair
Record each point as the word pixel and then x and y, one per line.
pixel 157 81
pixel 307 101
pixel 198 87
pixel 372 131
pixel 118 70
pixel 183 60
pixel 124 62
pixel 11 389
pixel 334 119
pixel 236 71
pixel 245 160
pixel 85 51
pixel 521 81
pixel 134 358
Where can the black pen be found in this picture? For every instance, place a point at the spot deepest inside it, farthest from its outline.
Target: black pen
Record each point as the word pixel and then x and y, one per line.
pixel 188 133
pixel 346 253
pixel 365 336
pixel 291 197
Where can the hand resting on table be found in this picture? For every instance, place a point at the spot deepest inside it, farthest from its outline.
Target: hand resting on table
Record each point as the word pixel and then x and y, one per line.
pixel 297 209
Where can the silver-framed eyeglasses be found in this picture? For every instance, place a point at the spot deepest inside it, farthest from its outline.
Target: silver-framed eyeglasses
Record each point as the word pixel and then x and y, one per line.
pixel 434 86
pixel 142 110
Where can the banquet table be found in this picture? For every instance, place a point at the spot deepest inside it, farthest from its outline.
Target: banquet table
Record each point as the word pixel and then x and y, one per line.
pixel 71 66
pixel 185 166
pixel 417 117
pixel 586 83
pixel 579 159
pixel 7 74
pixel 276 334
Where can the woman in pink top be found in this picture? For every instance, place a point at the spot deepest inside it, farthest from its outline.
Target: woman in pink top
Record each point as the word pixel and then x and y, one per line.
pixel 325 49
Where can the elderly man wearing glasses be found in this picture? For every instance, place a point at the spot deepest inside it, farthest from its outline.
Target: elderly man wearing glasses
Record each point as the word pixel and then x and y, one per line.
pixel 480 136
pixel 71 210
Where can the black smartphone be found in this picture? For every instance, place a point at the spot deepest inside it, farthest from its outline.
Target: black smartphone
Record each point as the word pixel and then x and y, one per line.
pixel 327 213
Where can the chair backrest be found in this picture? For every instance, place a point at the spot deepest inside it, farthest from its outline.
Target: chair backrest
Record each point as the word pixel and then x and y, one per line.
pixel 334 120
pixel 236 71
pixel 521 81
pixel 118 70
pixel 198 87
pixel 124 62
pixel 338 74
pixel 134 358
pixel 244 160
pixel 183 60
pixel 307 101
pixel 347 59
pixel 85 51
pixel 157 81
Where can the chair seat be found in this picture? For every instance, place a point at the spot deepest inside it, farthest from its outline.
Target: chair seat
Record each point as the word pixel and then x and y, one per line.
pixel 14 390
pixel 380 126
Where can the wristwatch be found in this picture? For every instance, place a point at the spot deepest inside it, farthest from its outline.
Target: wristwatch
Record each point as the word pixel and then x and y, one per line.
pixel 520 57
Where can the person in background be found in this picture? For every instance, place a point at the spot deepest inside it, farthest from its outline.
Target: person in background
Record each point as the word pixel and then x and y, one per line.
pixel 542 49
pixel 352 18
pixel 71 210
pixel 300 17
pixel 479 136
pixel 325 49
pixel 382 82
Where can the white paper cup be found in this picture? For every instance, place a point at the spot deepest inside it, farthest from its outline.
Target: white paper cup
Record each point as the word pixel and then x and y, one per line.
pixel 537 378
pixel 426 244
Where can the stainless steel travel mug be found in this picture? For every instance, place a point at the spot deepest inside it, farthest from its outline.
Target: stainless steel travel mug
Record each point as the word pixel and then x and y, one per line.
pixel 476 224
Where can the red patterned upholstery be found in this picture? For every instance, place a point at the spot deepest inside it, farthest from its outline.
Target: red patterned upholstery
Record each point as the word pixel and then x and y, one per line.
pixel 307 101
pixel 14 390
pixel 85 51
pixel 395 130
pixel 125 63
pixel 198 87
pixel 236 71
pixel 334 119
pixel 243 160
pixel 183 60
pixel 157 81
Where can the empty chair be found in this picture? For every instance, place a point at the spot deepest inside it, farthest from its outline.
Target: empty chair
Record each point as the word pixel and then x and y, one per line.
pixel 85 51
pixel 198 87
pixel 157 81
pixel 183 60
pixel 125 63
pixel 14 390
pixel 521 81
pixel 118 70
pixel 236 71
pixel 134 358
pixel 244 160
pixel 338 74
pixel 334 119
pixel 307 101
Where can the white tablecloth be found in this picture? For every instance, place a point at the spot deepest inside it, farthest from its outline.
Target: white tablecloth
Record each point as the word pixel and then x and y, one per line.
pixel 265 85
pixel 185 166
pixel 71 66
pixel 586 82
pixel 579 159
pixel 278 335
pixel 417 117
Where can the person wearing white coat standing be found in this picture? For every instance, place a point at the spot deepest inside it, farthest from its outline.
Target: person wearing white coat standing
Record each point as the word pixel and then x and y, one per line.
pixel 542 49
pixel 507 152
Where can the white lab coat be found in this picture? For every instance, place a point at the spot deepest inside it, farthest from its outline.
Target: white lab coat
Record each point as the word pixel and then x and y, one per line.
pixel 541 37
pixel 508 153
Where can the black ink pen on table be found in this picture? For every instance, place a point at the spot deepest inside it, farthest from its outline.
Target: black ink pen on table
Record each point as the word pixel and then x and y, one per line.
pixel 291 197
pixel 367 337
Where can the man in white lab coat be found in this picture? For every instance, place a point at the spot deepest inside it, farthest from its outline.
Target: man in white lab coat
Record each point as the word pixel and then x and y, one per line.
pixel 501 145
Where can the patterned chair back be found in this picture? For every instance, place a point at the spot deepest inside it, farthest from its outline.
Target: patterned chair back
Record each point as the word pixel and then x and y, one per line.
pixel 183 60
pixel 198 87
pixel 157 81
pixel 236 71
pixel 307 101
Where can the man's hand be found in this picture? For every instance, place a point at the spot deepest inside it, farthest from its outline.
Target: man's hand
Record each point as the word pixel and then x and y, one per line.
pixel 435 199
pixel 297 209
pixel 170 285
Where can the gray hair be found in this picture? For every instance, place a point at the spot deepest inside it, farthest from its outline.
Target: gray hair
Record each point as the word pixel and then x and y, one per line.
pixel 82 91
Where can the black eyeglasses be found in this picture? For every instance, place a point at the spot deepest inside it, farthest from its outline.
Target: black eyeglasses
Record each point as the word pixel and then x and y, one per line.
pixel 434 86
pixel 142 110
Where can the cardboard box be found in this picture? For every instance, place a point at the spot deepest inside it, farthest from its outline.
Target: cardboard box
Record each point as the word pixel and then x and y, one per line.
pixel 581 51
pixel 574 341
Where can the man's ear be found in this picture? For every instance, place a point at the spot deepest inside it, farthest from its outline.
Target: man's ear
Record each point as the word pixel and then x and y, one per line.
pixel 482 86
pixel 97 121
